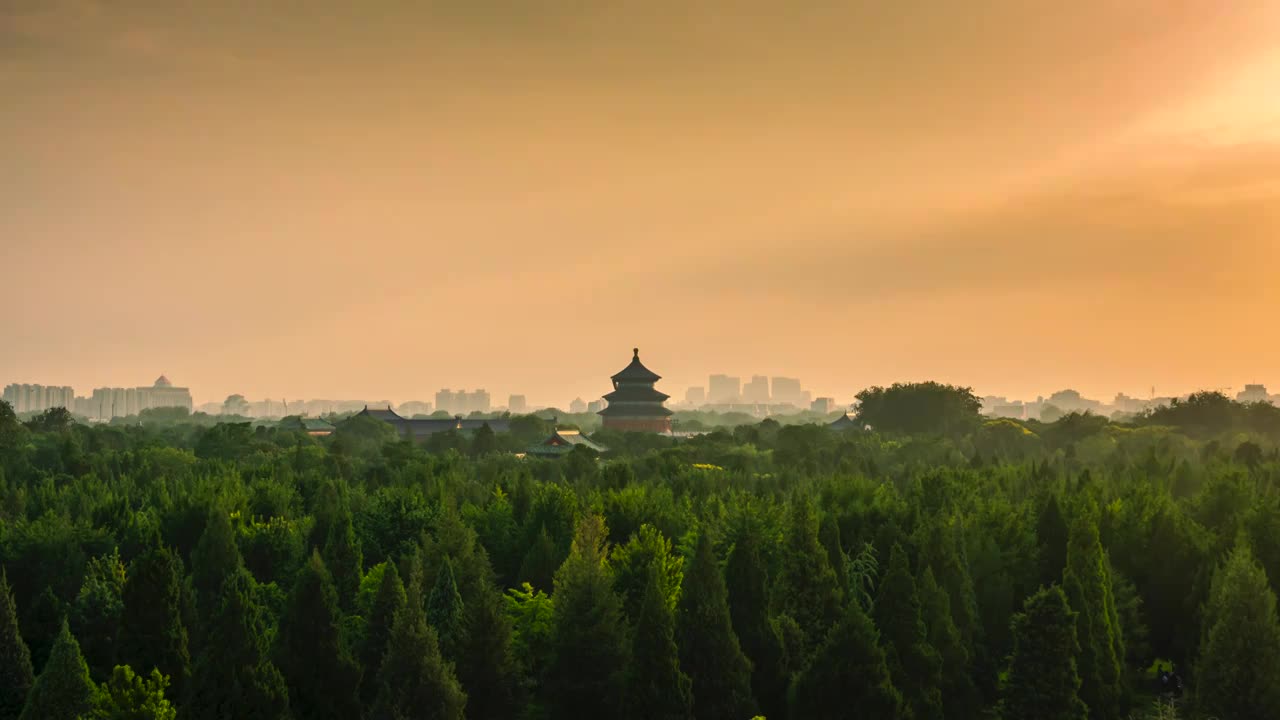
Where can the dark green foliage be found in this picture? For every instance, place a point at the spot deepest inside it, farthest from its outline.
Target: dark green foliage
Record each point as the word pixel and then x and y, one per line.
pixel 234 676
pixel 808 587
pixel 388 603
pixel 646 549
pixel 927 408
pixel 16 674
pixel 709 649
pixel 1087 584
pixel 63 691
pixel 343 559
pixel 40 625
pixel 215 558
pixel 848 676
pixel 656 688
pixel 1236 675
pixel 323 678
pixel 486 666
pixel 415 682
pixel 445 612
pixel 540 563
pixel 1051 536
pixel 589 646
pixel 914 664
pixel 959 694
pixel 129 696
pixel 1042 682
pixel 97 612
pixel 152 633
pixel 747 587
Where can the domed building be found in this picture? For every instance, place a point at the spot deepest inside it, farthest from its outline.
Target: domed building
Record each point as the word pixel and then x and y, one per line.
pixel 635 405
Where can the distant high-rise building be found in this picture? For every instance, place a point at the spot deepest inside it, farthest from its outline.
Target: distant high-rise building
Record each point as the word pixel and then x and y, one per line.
pixel 107 403
pixel 695 396
pixel 1253 394
pixel 578 406
pixel 595 406
pixel 478 401
pixel 414 407
pixel 26 398
pixel 447 400
pixel 823 405
pixel 517 404
pixel 786 391
pixel 724 389
pixel 756 391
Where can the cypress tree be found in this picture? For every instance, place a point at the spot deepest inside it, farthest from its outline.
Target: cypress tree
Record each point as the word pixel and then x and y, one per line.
pixel 539 565
pixel 848 676
pixel 656 688
pixel 1236 676
pixel 487 667
pixel 960 695
pixel 386 605
pixel 151 629
pixel 1051 536
pixel 589 641
pixel 811 594
pixel 445 612
pixel 1042 682
pixel 16 674
pixel 747 586
pixel 343 559
pixel 97 612
pixel 414 681
pixel 709 651
pixel 1087 584
pixel 323 678
pixel 40 626
pixel 129 696
pixel 213 560
pixel 234 677
pixel 646 548
pixel 63 691
pixel 914 664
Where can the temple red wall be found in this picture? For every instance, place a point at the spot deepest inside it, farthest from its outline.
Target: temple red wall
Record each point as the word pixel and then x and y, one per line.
pixel 653 425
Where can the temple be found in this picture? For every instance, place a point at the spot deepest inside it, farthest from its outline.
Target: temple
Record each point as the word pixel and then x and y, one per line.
pixel 634 404
pixel 422 428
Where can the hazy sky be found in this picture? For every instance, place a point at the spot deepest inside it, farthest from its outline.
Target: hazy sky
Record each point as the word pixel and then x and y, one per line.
pixel 342 199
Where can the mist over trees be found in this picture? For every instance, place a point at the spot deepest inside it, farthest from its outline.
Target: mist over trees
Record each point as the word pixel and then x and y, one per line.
pixel 934 564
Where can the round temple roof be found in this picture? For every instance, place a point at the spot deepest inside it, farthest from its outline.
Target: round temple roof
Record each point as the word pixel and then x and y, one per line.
pixel 636 371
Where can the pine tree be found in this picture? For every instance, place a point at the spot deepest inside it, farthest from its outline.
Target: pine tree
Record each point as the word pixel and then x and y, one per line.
pixel 40 625
pixel 829 536
pixel 1042 682
pixel 539 565
pixel 631 562
pixel 709 650
pixel 487 667
pixel 16 674
pixel 848 677
pixel 590 649
pixel 234 676
pixel 343 559
pixel 914 664
pixel 1051 536
pixel 129 696
pixel 445 613
pixel 97 612
pixel 1088 588
pixel 960 696
pixel 386 605
pixel 323 678
pixel 656 688
pixel 215 558
pixel 151 629
pixel 414 681
pixel 1236 676
pixel 747 587
pixel 811 594
pixel 63 691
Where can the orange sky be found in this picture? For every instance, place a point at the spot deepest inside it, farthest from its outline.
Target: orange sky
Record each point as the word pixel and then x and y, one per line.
pixel 336 199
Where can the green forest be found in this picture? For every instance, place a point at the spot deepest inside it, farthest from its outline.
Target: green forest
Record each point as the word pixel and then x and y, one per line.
pixel 932 564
